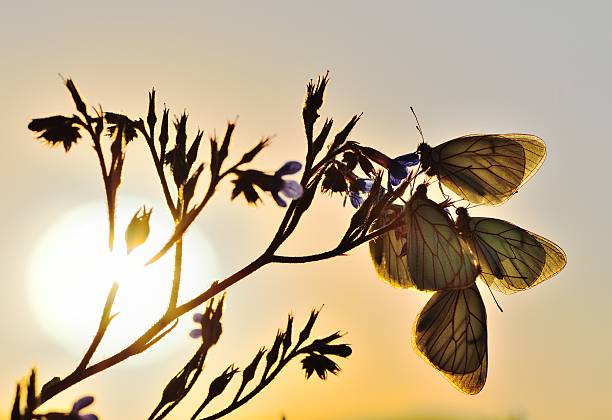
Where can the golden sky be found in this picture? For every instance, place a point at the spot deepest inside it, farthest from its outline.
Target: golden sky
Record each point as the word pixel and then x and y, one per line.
pixel 474 67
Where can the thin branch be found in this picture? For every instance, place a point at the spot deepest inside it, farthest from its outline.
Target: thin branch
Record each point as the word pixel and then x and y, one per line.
pixel 190 216
pixel 289 222
pixel 176 279
pixel 161 335
pixel 140 344
pixel 95 137
pixel 265 382
pixel 337 251
pixel 159 167
pixel 105 320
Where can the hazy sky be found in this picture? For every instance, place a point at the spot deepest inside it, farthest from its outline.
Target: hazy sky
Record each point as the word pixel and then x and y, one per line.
pixel 467 67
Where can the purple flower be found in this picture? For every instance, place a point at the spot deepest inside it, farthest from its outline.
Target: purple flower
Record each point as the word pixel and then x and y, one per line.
pixel 273 183
pixel 209 323
pixel 362 185
pixel 290 189
pixel 356 199
pixel 81 404
pixel 397 168
pixel 197 332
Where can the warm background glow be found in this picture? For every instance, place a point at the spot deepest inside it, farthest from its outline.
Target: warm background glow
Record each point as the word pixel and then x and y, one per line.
pixel 466 67
pixel 71 272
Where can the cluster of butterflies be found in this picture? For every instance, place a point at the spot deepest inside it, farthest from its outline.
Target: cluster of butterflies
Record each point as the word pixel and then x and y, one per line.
pixel 432 252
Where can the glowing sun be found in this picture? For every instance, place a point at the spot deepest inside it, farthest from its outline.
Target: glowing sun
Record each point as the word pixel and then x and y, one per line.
pixel 71 272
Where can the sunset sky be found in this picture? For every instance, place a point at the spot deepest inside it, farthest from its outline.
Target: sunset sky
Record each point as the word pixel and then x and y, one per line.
pixel 466 67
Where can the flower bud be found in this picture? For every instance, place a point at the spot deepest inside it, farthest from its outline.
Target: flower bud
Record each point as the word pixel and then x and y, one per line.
pixel 137 231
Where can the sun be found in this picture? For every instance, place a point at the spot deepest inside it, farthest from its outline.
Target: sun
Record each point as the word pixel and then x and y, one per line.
pixel 71 271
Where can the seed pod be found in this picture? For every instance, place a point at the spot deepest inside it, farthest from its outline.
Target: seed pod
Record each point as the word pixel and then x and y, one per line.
pixel 137 231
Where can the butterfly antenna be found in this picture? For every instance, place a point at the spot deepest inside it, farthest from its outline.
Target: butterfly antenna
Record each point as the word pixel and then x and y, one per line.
pixel 418 126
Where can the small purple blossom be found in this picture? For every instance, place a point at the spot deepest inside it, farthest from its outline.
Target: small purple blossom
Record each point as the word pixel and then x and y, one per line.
pixel 197 332
pixel 273 183
pixel 81 404
pixel 398 170
pixel 356 199
pixel 209 323
pixel 290 189
pixel 397 167
pixel 362 185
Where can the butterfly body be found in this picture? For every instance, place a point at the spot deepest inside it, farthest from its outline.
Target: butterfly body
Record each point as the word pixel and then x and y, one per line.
pixel 438 258
pixel 426 252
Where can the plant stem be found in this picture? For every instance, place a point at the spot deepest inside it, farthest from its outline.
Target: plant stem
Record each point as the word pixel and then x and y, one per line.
pixel 176 279
pixel 152 335
pixel 339 250
pixel 105 320
pixel 110 202
pixel 265 382
pixel 159 167
pixel 140 344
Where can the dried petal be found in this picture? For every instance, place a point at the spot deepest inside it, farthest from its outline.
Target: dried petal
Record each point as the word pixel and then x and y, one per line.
pixel 319 364
pixel 56 129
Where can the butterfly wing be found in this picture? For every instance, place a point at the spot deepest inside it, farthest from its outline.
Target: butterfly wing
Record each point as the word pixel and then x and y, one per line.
pixel 451 334
pixel 486 169
pixel 388 251
pixel 512 258
pixel 437 256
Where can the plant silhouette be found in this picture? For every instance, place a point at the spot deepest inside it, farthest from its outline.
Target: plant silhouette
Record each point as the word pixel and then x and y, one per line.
pixel 414 241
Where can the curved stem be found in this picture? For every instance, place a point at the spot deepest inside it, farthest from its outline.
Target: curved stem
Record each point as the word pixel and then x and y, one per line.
pixel 105 320
pixel 141 344
pixel 337 251
pixel 285 259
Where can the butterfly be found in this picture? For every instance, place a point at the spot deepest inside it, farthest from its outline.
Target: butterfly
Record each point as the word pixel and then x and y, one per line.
pixel 426 252
pixel 511 258
pixel 484 168
pixel 451 334
pixel 388 251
